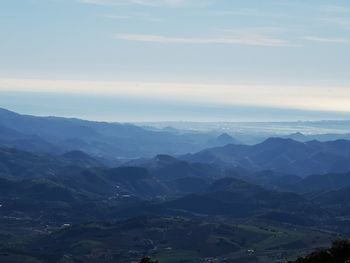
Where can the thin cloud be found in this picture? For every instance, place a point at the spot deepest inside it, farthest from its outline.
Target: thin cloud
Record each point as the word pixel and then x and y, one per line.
pixel 260 30
pixel 248 12
pixel 244 39
pixel 326 40
pixel 169 3
pixel 136 16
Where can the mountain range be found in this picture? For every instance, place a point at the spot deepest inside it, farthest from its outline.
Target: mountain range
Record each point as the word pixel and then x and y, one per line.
pixel 100 139
pixel 280 155
pixel 81 191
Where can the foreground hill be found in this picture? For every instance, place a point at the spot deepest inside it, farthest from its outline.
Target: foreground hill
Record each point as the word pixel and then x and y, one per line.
pixel 167 239
pixel 281 155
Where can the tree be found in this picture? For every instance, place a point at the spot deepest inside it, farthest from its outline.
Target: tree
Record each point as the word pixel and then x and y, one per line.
pixel 148 260
pixel 338 253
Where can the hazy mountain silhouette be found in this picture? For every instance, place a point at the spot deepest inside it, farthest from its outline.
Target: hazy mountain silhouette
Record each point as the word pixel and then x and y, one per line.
pixel 281 155
pixel 101 139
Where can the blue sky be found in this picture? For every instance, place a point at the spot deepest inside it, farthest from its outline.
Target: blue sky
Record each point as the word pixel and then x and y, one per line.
pixel 176 59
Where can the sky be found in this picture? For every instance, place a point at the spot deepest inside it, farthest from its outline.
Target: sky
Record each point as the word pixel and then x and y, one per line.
pixel 176 60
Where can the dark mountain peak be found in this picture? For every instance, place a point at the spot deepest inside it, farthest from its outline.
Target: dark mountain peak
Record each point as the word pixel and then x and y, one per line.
pixel 225 138
pixel 277 141
pixel 297 134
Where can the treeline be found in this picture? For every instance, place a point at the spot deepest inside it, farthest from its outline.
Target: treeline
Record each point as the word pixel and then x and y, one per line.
pixel 148 260
pixel 338 253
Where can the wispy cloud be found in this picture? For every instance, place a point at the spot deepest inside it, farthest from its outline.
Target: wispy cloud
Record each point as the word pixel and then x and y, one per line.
pixel 249 12
pixel 134 16
pixel 253 37
pixel 122 17
pixel 169 3
pixel 259 30
pixel 326 40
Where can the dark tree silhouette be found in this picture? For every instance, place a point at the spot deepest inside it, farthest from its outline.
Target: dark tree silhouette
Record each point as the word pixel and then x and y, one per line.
pixel 338 253
pixel 148 260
